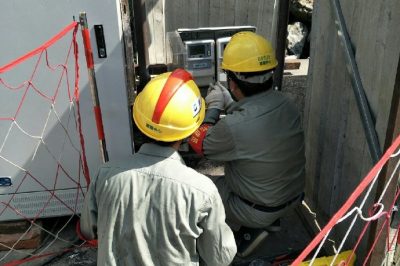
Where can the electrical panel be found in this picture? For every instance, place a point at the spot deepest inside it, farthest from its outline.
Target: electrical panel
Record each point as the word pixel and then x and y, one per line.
pixel 221 44
pixel 200 61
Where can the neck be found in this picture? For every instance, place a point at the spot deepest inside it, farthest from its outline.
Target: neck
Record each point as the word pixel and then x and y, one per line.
pixel 176 145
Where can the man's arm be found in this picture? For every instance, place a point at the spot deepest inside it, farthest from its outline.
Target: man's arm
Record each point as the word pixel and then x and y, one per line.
pixel 217 100
pixel 216 245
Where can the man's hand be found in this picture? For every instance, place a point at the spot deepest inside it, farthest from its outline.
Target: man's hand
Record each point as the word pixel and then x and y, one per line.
pixel 218 97
pixel 214 98
pixel 227 96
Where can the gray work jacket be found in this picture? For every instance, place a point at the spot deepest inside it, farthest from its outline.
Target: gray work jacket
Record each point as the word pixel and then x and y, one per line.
pixel 262 142
pixel 154 210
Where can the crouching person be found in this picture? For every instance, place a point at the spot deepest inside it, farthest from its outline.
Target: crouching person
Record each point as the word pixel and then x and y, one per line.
pixel 152 209
pixel 260 140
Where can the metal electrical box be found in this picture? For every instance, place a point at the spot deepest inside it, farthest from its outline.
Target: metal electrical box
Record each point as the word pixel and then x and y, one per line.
pixel 221 44
pixel 200 51
pixel 200 61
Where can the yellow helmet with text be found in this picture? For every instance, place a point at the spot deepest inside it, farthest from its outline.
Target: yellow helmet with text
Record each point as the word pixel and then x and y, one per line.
pixel 248 52
pixel 170 107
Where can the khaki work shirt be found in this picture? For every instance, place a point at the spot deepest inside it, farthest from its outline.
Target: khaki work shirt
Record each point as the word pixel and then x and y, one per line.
pixel 154 210
pixel 262 142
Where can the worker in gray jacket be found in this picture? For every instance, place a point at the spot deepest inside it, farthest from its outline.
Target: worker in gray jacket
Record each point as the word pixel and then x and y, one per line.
pixel 152 209
pixel 260 140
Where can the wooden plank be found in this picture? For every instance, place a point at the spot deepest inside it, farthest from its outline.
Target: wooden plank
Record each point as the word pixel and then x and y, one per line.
pixel 215 13
pixel 393 132
pixel 208 13
pixel 265 18
pixel 389 44
pixel 388 101
pixel 345 101
pixel 151 32
pixel 170 18
pixel 228 11
pixel 191 13
pixel 204 13
pixel 315 102
pixel 158 39
pixel 337 152
pixel 260 16
pixel 241 12
pixel 253 9
pixel 175 14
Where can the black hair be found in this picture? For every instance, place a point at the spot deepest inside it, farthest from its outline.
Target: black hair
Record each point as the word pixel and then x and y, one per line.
pixel 248 88
pixel 140 139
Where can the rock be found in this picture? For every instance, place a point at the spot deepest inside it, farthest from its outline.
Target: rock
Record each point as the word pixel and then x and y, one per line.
pixel 302 9
pixel 297 36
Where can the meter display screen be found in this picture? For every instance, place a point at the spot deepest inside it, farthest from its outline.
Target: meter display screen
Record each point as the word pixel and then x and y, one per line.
pixel 197 50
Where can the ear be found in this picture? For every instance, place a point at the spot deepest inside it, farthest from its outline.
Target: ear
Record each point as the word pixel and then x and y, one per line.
pixel 236 91
pixel 232 85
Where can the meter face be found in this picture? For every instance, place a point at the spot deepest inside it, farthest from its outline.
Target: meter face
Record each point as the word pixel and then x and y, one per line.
pixel 200 61
pixel 199 50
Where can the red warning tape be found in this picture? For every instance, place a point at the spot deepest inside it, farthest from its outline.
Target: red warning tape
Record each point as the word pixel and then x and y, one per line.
pixel 88 48
pixel 99 122
pixel 346 206
pixel 39 49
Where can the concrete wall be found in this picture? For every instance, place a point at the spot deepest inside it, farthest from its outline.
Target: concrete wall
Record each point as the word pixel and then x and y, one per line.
pixel 337 152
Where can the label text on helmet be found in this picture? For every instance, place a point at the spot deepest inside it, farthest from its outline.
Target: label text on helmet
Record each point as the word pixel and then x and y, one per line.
pixel 151 127
pixel 264 60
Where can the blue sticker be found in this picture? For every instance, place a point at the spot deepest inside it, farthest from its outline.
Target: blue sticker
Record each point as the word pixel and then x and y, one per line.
pixel 196 106
pixel 5 181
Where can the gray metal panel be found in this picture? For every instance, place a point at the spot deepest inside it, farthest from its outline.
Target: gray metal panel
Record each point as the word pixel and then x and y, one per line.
pixel 30 24
pixel 30 204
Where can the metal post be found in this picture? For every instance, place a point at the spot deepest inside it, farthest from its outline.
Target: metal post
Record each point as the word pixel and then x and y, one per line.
pixel 93 85
pixel 361 99
pixel 283 17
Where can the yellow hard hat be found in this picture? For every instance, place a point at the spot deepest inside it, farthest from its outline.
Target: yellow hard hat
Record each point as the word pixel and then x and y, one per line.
pixel 170 107
pixel 248 52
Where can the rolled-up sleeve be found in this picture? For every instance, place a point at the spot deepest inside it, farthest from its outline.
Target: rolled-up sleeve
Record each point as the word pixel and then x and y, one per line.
pixel 216 245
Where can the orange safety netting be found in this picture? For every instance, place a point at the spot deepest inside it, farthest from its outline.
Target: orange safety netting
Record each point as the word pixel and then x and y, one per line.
pixel 377 211
pixel 49 92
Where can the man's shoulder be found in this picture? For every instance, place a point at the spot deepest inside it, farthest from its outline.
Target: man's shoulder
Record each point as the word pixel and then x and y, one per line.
pixel 197 181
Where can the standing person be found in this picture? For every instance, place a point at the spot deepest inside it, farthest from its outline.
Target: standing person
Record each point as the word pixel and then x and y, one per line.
pixel 152 209
pixel 260 140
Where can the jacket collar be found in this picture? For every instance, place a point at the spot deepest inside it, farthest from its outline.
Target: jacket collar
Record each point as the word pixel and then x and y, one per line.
pixel 160 151
pixel 260 97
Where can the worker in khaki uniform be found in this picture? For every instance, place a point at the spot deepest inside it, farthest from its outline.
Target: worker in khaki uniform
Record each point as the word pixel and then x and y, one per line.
pixel 152 209
pixel 260 140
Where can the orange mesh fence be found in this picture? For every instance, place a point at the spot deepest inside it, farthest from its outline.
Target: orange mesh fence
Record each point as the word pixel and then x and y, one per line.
pixel 43 165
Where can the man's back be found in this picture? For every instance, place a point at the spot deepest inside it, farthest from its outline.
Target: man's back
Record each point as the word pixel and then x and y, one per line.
pixel 153 210
pixel 262 141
